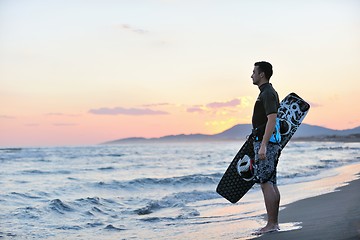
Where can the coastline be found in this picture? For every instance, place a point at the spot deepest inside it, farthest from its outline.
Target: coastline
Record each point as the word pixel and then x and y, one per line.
pixel 329 138
pixel 334 215
pixel 309 205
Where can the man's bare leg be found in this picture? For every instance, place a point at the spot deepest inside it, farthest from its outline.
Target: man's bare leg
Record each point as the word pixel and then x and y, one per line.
pixel 272 201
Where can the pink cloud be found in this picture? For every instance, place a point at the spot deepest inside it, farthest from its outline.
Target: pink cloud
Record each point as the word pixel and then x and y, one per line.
pixel 62 114
pixel 126 111
pixel 64 124
pixel 32 124
pixel 130 28
pixel 215 107
pixel 156 104
pixel 7 117
pixel 195 109
pixel 231 103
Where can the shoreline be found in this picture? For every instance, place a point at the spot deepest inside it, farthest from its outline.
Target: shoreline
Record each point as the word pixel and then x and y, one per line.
pixel 329 138
pixel 334 215
pixel 338 139
pixel 241 220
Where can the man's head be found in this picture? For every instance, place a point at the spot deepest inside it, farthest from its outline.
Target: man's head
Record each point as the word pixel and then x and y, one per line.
pixel 262 73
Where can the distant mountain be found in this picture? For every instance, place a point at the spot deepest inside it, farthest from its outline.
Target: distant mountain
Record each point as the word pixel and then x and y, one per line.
pixel 306 130
pixel 240 131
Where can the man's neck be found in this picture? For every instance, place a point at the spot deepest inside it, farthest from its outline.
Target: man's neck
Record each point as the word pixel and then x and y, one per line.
pixel 262 83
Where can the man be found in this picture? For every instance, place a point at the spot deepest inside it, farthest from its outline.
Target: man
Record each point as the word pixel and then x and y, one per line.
pixel 266 141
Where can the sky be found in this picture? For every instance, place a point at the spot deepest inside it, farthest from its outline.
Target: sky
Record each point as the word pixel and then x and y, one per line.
pixel 80 72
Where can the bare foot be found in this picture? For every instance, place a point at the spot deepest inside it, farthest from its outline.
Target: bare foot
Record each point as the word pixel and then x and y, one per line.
pixel 267 229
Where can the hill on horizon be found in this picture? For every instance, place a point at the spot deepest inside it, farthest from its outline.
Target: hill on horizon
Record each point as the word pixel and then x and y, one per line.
pixel 241 131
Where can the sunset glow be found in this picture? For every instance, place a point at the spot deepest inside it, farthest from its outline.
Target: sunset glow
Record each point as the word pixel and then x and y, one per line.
pixel 84 72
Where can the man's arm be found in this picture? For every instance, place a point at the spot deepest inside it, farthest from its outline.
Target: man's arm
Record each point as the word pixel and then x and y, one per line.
pixel 269 129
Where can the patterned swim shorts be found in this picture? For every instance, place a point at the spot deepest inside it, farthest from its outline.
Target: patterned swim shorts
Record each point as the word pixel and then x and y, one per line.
pixel 265 170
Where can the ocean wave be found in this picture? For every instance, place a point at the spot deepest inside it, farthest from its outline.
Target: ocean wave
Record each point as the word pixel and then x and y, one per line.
pixel 183 214
pixel 69 227
pixel 310 170
pixel 115 155
pixel 339 148
pixel 333 162
pixel 36 171
pixel 30 213
pixel 294 175
pixel 89 200
pixel 112 228
pixel 192 180
pixel 98 210
pixel 106 155
pixel 106 168
pixel 96 207
pixel 10 149
pixel 58 206
pixel 94 224
pixel 179 199
pixel 25 195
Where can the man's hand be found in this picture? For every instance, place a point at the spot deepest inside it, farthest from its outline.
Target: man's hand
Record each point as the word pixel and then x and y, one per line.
pixel 262 152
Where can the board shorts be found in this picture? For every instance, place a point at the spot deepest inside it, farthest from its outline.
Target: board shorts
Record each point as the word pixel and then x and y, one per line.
pixel 265 170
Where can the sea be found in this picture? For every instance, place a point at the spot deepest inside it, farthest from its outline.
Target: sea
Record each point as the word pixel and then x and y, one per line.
pixel 151 190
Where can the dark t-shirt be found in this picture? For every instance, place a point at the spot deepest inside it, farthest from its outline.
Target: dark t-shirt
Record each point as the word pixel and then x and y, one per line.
pixel 266 103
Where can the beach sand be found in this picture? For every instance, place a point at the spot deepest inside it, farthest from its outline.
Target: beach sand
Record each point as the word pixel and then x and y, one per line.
pixel 333 215
pixel 327 207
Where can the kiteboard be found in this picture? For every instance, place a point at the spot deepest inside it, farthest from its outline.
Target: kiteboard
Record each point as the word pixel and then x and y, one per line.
pixel 235 183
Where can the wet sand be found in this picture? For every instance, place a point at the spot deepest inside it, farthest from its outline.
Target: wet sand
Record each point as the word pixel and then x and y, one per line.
pixel 333 215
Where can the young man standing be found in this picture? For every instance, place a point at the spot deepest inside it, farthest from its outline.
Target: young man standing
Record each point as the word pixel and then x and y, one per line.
pixel 265 144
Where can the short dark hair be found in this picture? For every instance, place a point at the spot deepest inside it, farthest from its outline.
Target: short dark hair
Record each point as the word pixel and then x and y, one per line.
pixel 266 68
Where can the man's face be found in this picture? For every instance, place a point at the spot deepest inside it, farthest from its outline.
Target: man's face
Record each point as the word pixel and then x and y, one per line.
pixel 256 76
